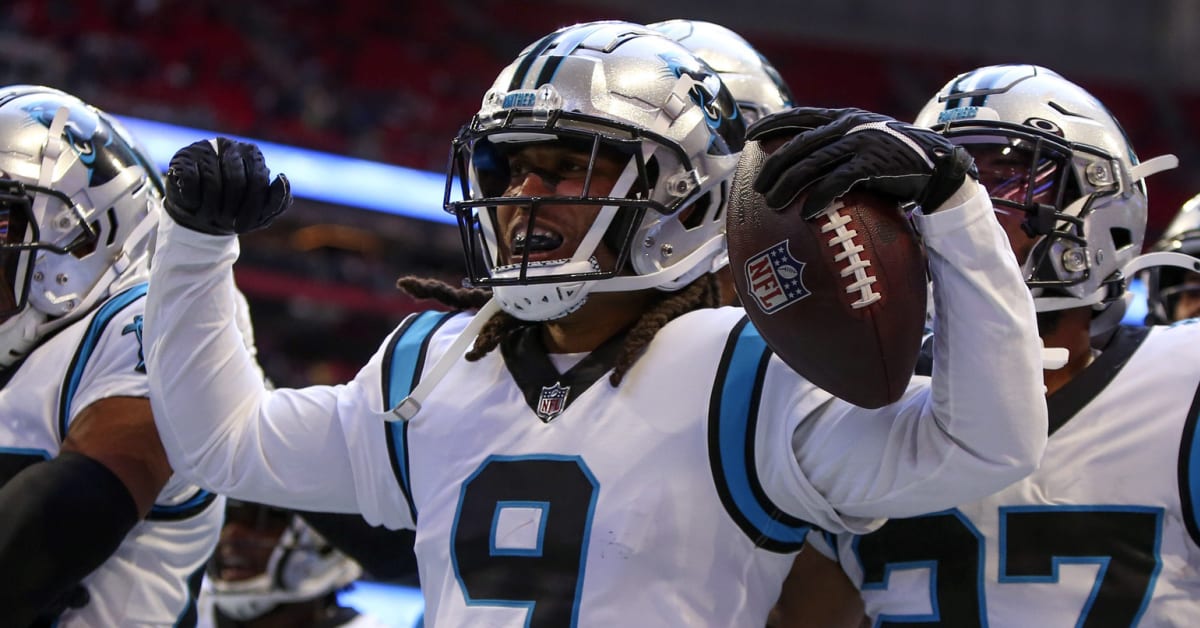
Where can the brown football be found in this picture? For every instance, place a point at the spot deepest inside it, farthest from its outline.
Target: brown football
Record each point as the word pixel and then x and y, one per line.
pixel 841 297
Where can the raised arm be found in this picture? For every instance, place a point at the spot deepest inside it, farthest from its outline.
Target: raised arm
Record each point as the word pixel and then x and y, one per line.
pixel 218 423
pixel 982 424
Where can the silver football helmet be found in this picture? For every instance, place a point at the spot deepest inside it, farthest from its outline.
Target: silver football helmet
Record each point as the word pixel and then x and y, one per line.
pixel 300 564
pixel 755 84
pixel 78 202
pixel 1164 285
pixel 615 92
pixel 1049 149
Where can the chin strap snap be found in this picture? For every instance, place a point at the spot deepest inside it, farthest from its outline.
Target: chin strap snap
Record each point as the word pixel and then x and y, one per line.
pixel 1054 358
pixel 411 405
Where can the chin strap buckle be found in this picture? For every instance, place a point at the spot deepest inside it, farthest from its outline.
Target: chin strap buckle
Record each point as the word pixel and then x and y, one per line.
pixel 407 409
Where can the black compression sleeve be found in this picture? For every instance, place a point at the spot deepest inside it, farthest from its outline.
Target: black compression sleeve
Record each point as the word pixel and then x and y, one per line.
pixel 62 519
pixel 384 554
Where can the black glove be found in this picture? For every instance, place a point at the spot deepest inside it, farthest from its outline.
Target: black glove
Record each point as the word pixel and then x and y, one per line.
pixel 838 149
pixel 224 191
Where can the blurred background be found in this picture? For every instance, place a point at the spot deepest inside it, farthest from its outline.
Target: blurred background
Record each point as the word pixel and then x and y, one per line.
pixel 391 82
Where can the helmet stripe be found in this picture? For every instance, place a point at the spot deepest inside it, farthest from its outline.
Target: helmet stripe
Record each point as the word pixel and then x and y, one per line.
pixel 552 54
pixel 987 82
pixel 535 52
pixel 955 88
pixel 548 70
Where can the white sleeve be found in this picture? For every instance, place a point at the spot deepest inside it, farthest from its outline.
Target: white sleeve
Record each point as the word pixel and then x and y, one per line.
pixel 980 427
pixel 219 424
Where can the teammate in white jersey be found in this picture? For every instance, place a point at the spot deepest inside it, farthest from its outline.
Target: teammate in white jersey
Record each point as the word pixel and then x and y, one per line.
pixel 613 450
pixel 759 90
pixel 1173 294
pixel 271 569
pixel 1105 532
pixel 95 529
pixel 752 81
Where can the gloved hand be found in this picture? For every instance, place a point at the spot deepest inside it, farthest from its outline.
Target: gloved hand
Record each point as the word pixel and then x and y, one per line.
pixel 223 187
pixel 837 149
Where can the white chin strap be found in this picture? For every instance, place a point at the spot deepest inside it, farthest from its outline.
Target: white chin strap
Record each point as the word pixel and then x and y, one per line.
pixel 544 302
pixel 1154 165
pixel 411 405
pixel 19 334
pixel 1054 304
pixel 1136 173
pixel 1162 258
pixel 710 251
pixel 1056 357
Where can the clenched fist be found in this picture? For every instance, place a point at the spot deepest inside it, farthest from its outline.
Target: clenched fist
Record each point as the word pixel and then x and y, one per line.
pixel 223 187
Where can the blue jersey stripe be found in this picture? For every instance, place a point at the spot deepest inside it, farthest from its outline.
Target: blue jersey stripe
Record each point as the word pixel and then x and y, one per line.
pixel 402 365
pixel 735 404
pixel 87 347
pixel 188 618
pixel 192 506
pixel 1189 470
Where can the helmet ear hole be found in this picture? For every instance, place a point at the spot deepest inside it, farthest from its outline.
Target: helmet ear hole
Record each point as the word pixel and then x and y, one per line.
pixel 84 245
pixel 111 214
pixel 693 216
pixel 1122 237
pixel 642 188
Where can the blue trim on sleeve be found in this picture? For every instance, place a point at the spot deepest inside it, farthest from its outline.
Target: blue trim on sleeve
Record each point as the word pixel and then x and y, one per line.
pixel 733 416
pixel 1189 471
pixel 402 364
pixel 192 506
pixel 87 347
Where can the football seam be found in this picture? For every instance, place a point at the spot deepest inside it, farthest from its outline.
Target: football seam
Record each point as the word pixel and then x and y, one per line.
pixel 844 237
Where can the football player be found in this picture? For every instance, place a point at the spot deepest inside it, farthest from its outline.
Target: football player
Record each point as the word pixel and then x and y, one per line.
pixel 272 569
pixel 752 81
pixel 612 449
pixel 96 531
pixel 1173 294
pixel 759 90
pixel 1105 531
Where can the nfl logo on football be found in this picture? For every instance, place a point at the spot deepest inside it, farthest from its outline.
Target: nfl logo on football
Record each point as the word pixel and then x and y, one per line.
pixel 775 278
pixel 552 402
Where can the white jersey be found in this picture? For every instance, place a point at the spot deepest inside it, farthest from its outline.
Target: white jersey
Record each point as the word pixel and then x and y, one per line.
pixel 1104 533
pixel 148 581
pixel 542 498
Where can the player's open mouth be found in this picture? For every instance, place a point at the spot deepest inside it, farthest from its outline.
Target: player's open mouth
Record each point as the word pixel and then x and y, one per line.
pixel 539 244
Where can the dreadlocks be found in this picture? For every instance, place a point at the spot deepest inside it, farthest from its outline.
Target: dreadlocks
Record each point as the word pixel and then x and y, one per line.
pixel 701 293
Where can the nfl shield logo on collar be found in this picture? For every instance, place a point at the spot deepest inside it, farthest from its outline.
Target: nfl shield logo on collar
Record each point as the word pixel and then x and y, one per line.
pixel 552 401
